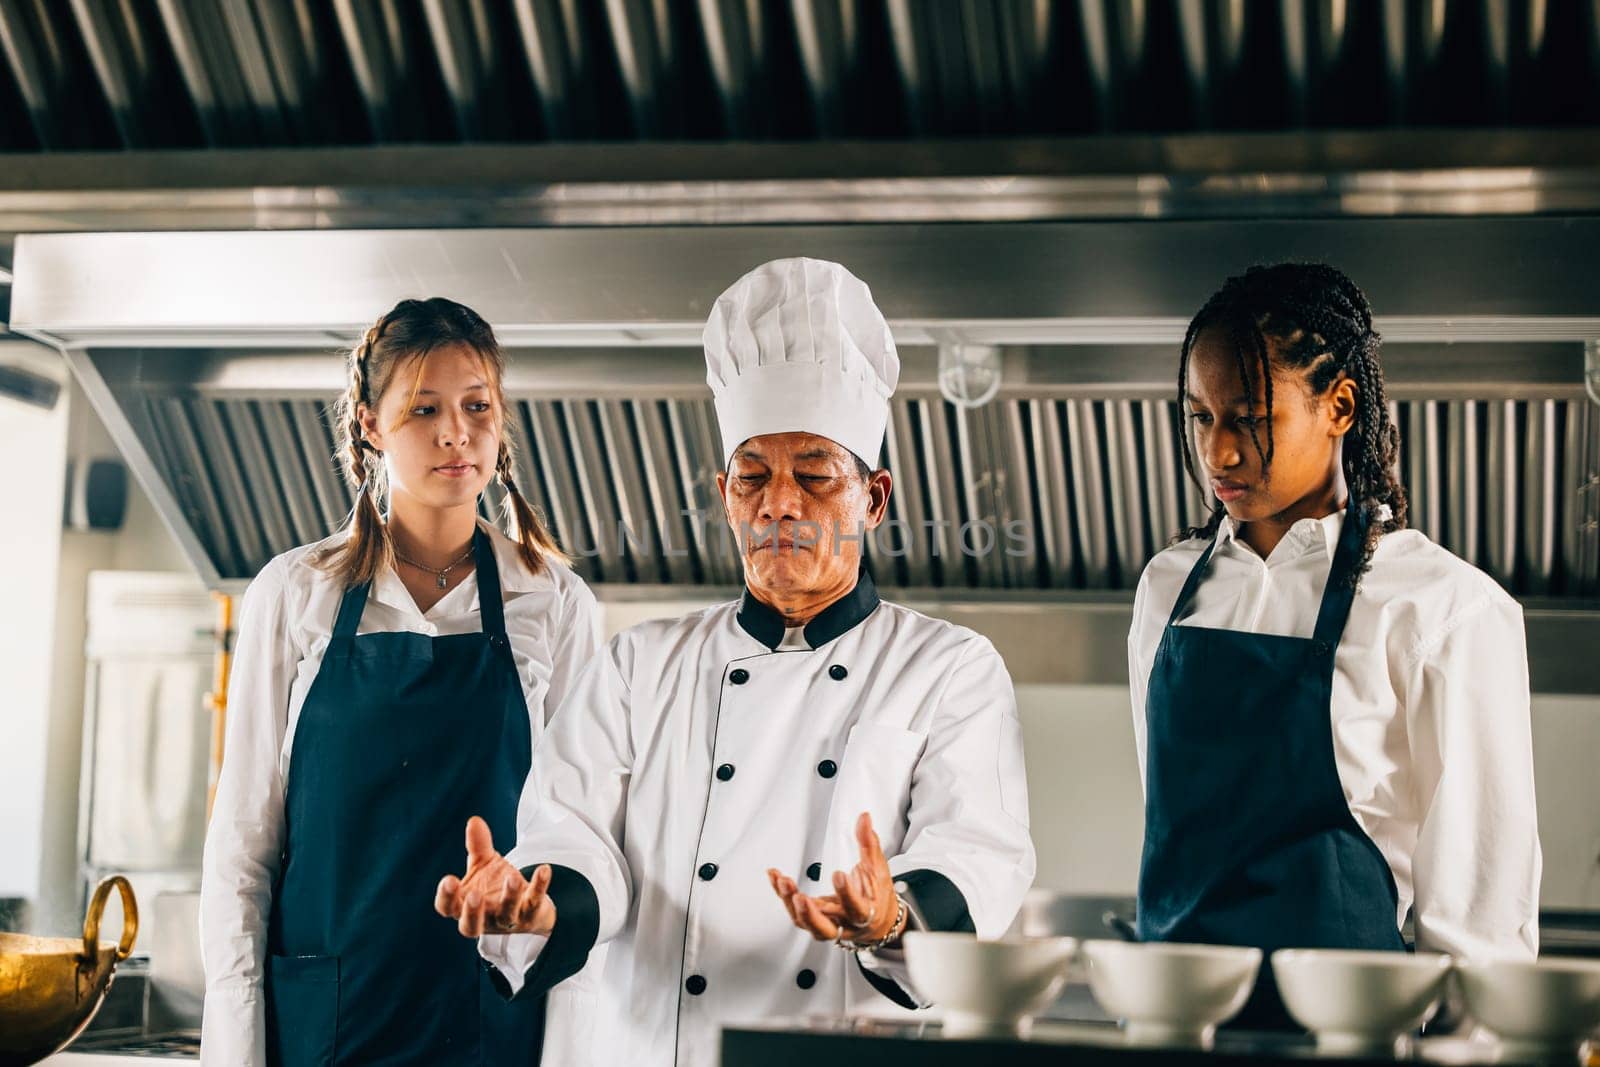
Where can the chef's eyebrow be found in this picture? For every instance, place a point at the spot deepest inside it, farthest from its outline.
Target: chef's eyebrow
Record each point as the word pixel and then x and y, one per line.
pixel 810 453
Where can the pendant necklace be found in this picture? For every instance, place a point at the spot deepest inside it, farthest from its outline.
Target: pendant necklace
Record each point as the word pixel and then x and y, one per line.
pixel 439 574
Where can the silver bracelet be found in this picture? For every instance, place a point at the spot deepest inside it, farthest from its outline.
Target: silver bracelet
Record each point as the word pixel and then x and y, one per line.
pixel 894 931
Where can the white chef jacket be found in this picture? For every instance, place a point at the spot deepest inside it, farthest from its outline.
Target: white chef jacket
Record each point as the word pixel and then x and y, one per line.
pixel 285 622
pixel 1431 728
pixel 881 710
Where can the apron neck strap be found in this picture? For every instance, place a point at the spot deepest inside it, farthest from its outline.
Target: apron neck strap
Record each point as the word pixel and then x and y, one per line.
pixel 1340 591
pixel 1336 597
pixel 350 609
pixel 1197 572
pixel 491 607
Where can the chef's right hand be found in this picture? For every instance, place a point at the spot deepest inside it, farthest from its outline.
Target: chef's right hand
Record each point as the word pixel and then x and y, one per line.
pixel 493 897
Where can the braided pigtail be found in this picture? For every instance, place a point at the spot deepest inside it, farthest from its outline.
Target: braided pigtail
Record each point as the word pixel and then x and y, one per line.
pixel 1208 529
pixel 367 549
pixel 1372 459
pixel 534 537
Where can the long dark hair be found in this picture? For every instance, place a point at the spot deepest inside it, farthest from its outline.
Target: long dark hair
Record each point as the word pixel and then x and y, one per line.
pixel 1321 325
pixel 408 332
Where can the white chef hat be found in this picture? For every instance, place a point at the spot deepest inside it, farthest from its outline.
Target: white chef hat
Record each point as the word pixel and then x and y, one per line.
pixel 798 345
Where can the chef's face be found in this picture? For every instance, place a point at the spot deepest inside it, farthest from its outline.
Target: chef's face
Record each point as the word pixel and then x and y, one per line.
pixel 437 427
pixel 797 504
pixel 1305 434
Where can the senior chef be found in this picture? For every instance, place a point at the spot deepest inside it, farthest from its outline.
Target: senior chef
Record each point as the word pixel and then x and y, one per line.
pixel 727 796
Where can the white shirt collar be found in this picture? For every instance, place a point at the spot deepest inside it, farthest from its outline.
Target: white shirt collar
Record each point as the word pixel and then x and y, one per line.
pixel 1306 535
pixel 388 589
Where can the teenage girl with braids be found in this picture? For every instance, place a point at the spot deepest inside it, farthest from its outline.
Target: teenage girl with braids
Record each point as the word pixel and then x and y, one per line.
pixel 388 684
pixel 1331 711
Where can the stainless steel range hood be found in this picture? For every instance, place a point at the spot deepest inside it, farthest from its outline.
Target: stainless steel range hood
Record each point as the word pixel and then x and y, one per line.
pixel 1446 279
pixel 190 341
pixel 212 355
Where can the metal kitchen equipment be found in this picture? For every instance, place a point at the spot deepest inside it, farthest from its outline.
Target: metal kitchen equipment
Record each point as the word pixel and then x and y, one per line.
pixel 50 987
pixel 147 730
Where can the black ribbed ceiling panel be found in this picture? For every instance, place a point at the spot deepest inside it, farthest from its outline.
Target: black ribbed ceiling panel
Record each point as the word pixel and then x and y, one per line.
pixel 144 74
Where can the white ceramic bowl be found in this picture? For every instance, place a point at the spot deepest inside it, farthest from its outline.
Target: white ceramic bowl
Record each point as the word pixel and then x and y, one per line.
pixel 1359 1002
pixel 1170 994
pixel 1536 1009
pixel 987 987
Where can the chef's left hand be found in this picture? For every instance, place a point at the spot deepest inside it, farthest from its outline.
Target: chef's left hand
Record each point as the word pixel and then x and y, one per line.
pixel 862 908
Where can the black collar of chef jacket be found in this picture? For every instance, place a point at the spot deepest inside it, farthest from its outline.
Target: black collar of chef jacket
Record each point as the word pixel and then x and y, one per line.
pixel 766 625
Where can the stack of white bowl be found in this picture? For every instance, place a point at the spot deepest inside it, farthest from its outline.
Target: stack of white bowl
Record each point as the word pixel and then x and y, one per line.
pixel 1362 1002
pixel 1356 1003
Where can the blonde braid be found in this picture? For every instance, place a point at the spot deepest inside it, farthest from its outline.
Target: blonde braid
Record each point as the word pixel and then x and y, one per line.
pixel 367 550
pixel 502 463
pixel 356 444
pixel 538 544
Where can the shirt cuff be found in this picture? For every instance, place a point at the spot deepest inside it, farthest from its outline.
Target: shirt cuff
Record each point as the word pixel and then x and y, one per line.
pixel 233 1027
pixel 943 908
pixel 886 970
pixel 511 955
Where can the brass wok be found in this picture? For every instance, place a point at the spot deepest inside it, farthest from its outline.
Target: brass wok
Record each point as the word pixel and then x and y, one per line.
pixel 50 987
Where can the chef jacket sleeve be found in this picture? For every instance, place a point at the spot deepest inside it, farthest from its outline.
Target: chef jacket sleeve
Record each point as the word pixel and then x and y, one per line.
pixel 1477 862
pixel 245 836
pixel 571 816
pixel 967 858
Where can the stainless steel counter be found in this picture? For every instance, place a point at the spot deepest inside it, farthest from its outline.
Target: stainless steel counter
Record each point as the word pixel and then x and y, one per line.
pixel 72 1058
pixel 844 1043
pixel 106 1050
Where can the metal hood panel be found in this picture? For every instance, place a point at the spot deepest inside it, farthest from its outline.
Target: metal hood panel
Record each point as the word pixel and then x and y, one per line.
pixel 1069 481
pixel 187 343
pixel 1370 173
pixel 1120 282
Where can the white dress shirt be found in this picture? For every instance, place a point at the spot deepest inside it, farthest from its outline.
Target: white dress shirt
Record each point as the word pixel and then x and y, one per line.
pixel 553 624
pixel 909 718
pixel 1430 714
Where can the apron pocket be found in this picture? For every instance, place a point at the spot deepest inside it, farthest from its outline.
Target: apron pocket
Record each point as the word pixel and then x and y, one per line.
pixel 302 1010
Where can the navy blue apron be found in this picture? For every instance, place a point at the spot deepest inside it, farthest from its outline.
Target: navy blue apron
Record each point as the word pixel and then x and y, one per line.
pixel 1248 837
pixel 402 737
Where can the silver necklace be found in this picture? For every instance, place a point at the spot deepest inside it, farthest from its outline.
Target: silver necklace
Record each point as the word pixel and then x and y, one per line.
pixel 440 575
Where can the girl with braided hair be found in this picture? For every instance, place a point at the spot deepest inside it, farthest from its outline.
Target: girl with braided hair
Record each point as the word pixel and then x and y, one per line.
pixel 1331 711
pixel 388 686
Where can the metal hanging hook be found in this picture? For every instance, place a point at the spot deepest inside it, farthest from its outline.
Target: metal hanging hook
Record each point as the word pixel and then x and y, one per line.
pixel 1591 368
